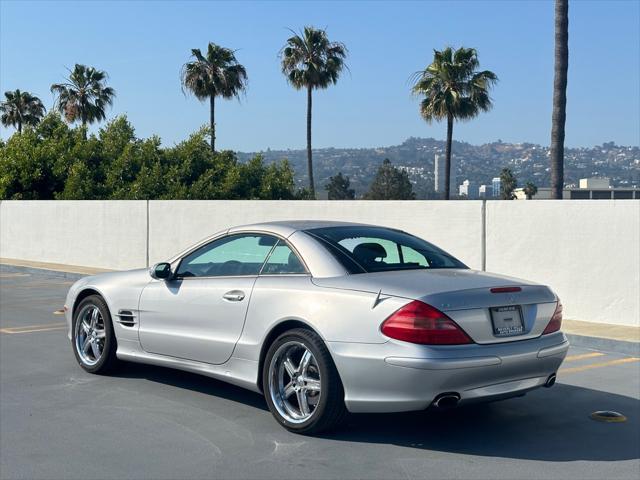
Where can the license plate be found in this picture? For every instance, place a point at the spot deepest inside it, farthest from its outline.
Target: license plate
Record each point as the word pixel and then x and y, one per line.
pixel 507 321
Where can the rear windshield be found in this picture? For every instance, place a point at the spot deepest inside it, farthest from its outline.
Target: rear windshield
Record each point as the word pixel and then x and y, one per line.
pixel 378 249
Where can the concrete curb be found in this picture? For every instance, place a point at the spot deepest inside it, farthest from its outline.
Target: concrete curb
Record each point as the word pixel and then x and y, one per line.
pixel 41 271
pixel 604 344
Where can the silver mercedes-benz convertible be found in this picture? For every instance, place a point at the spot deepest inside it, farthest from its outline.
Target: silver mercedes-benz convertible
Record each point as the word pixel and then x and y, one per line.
pixel 325 318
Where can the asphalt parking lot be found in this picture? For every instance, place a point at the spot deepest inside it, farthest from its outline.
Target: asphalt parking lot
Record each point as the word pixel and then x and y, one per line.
pixel 56 421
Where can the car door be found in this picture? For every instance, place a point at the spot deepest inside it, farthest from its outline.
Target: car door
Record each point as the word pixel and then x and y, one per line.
pixel 199 313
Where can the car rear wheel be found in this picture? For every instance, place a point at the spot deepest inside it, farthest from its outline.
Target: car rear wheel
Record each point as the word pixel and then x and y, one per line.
pixel 94 343
pixel 301 383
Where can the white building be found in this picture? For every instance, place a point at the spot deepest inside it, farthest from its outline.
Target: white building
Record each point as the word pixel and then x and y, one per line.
pixel 595 183
pixel 466 189
pixel 482 191
pixel 496 185
pixel 439 162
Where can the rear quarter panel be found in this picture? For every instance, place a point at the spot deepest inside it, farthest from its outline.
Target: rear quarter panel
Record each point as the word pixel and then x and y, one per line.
pixel 336 315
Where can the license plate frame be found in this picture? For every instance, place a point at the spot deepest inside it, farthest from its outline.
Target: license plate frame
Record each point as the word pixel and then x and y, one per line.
pixel 503 324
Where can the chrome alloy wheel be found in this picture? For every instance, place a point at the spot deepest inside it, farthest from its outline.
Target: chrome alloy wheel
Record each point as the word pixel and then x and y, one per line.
pixel 294 382
pixel 90 335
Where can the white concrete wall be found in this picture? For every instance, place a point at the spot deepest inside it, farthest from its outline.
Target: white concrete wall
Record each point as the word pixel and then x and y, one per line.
pixel 88 233
pixel 587 251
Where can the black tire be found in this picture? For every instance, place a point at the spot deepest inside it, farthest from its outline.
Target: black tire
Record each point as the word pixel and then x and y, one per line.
pixel 108 362
pixel 330 411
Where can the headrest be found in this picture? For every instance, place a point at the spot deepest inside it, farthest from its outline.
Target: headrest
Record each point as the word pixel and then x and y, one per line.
pixel 369 252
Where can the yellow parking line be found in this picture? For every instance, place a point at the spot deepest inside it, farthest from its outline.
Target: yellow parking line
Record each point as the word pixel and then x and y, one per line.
pixel 34 328
pixel 611 363
pixel 573 358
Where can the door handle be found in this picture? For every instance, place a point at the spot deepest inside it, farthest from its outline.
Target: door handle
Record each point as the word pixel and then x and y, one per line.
pixel 234 296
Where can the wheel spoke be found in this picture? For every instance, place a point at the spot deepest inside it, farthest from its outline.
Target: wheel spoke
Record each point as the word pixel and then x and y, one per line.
pixel 95 348
pixel 303 403
pixel 304 362
pixel 100 333
pixel 288 366
pixel 289 390
pixel 94 317
pixel 86 344
pixel 85 326
pixel 312 384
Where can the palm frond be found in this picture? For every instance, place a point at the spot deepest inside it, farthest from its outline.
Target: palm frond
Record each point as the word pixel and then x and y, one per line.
pixel 452 86
pixel 217 74
pixel 84 95
pixel 310 60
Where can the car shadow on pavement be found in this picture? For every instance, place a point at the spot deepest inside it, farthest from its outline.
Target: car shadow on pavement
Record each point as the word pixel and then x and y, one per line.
pixel 193 382
pixel 547 424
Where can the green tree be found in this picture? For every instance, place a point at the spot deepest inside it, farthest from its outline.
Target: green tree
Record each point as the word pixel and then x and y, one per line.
pixel 54 161
pixel 34 164
pixel 530 190
pixel 559 114
pixel 218 74
pixel 311 61
pixel 338 188
pixel 84 95
pixel 134 168
pixel 390 183
pixel 508 184
pixel 21 108
pixel 454 89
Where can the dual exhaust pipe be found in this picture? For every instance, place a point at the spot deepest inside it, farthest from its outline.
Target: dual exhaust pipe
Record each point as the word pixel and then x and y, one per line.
pixel 451 399
pixel 551 381
pixel 446 400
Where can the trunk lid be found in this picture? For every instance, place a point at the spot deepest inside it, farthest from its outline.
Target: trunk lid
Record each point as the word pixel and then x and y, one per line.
pixel 466 297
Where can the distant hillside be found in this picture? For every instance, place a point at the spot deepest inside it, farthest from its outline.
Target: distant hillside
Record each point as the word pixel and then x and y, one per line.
pixel 478 163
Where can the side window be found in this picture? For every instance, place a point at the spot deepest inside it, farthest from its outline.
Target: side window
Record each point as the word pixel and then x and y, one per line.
pixel 411 256
pixel 282 260
pixel 242 254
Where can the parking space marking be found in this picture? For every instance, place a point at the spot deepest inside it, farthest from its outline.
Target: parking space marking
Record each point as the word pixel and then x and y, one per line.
pixel 610 363
pixel 34 328
pixel 582 356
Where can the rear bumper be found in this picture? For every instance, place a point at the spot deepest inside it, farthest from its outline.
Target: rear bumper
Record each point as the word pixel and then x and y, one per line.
pixel 397 376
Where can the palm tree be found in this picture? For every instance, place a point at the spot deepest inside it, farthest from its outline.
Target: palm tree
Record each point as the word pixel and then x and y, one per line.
pixel 454 90
pixel 217 75
pixel 21 108
pixel 84 95
pixel 530 190
pixel 559 114
pixel 508 184
pixel 311 61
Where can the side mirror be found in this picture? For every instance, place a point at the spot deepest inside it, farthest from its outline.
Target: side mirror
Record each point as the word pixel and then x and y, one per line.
pixel 161 271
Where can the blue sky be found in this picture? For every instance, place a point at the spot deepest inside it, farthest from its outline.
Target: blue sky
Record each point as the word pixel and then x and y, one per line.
pixel 142 46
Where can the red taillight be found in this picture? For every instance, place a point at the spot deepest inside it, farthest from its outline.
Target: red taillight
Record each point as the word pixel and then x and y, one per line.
pixel 418 322
pixel 556 320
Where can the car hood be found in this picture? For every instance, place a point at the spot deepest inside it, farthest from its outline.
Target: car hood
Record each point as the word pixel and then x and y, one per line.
pixel 108 281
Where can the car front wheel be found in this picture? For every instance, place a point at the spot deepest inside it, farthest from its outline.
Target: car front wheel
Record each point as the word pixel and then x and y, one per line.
pixel 94 343
pixel 301 383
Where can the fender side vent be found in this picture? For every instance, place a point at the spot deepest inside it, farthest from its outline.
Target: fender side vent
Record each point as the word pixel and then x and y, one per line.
pixel 126 318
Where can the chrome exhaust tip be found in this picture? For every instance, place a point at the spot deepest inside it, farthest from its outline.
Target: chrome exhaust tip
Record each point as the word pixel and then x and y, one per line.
pixel 446 400
pixel 551 381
